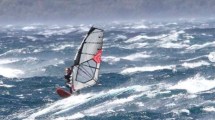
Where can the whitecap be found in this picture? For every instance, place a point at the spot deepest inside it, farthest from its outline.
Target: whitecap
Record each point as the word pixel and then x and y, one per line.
pixel 185 111
pixel 8 61
pixel 195 64
pixel 62 47
pixel 172 36
pixel 211 56
pixel 10 72
pixel 136 56
pixel 146 69
pixel 135 46
pixel 31 38
pixel 49 32
pixel 65 105
pixel 72 117
pixel 200 46
pixel 5 85
pixel 173 45
pixel 209 109
pixel 139 26
pixel 121 37
pixel 143 37
pixel 110 59
pixel 195 84
pixel 132 57
pixel 28 28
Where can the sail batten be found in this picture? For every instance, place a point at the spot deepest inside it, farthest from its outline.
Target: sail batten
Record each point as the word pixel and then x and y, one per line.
pixel 87 60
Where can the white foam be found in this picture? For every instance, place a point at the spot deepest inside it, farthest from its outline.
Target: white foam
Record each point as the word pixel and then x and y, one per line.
pixel 61 105
pixel 211 56
pixel 143 37
pixel 110 59
pixel 200 46
pixel 173 36
pixel 140 104
pixel 28 28
pixel 121 37
pixel 191 59
pixel 146 68
pixel 83 28
pixel 48 33
pixel 64 105
pixel 20 96
pixel 195 64
pixel 7 61
pixel 139 26
pixel 209 109
pixel 13 51
pixel 173 45
pixel 137 45
pixel 134 39
pixel 109 106
pixel 132 57
pixel 31 38
pixel 73 117
pixel 10 72
pixel 136 56
pixel 170 105
pixel 134 46
pixel 195 84
pixel 4 85
pixel 187 36
pixel 185 111
pixel 62 47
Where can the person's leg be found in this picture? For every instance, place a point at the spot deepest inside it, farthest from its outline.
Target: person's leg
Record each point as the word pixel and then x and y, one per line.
pixel 70 88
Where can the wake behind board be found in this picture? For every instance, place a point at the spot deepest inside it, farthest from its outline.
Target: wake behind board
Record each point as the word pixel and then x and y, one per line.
pixel 62 93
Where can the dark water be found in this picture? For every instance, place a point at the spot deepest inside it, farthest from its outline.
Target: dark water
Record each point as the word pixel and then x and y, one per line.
pixel 149 71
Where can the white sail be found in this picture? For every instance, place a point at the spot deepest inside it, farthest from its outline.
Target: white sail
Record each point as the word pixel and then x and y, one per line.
pixel 88 59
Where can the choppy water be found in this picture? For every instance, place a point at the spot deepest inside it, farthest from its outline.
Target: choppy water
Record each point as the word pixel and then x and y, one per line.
pixel 149 71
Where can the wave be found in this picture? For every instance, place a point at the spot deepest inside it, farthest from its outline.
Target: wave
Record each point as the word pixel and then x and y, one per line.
pixel 83 28
pixel 192 59
pixel 173 45
pixel 200 46
pixel 110 59
pixel 62 47
pixel 50 32
pixel 146 69
pixel 195 64
pixel 143 37
pixel 10 72
pixel 173 35
pixel 5 85
pixel 195 84
pixel 132 46
pixel 31 38
pixel 93 104
pixel 211 56
pixel 123 37
pixel 139 26
pixel 132 57
pixel 8 61
pixel 209 109
pixel 136 56
pixel 28 28
pixel 61 107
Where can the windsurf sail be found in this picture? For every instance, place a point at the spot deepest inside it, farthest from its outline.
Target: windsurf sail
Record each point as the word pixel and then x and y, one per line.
pixel 87 60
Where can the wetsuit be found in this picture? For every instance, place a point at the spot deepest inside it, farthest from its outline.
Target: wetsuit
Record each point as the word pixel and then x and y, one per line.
pixel 67 78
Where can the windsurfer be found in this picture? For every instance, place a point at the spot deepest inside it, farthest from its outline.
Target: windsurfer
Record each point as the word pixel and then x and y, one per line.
pixel 67 77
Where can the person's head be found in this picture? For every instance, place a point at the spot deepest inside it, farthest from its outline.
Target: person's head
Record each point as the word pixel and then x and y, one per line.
pixel 68 70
